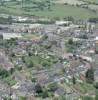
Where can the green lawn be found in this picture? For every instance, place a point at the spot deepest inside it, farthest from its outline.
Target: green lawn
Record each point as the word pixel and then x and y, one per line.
pixel 58 10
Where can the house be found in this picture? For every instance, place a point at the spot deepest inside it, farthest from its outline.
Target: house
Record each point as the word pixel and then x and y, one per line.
pixel 5 91
pixel 57 67
pixel 63 23
pixel 48 29
pixel 59 92
pixel 86 58
pixel 72 96
pixel 96 75
pixel 4 62
pixel 19 77
pixel 24 88
pixel 44 78
pixel 19 51
pixel 96 44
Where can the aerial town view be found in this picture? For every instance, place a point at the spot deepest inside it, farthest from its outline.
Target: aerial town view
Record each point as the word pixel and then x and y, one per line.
pixel 48 49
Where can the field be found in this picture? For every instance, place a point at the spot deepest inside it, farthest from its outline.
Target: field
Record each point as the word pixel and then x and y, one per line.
pixel 57 10
pixel 66 10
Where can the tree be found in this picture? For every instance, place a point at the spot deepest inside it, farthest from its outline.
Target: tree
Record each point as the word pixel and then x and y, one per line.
pixel 48 4
pixel 7 98
pixel 33 80
pixel 22 3
pixel 23 59
pixel 12 70
pixel 90 75
pixel 94 20
pixel 53 86
pixel 45 94
pixel 1 36
pixel 70 41
pixel 13 0
pixel 74 80
pixel 38 88
pixel 41 5
pixel 96 97
pixel 96 85
pixel 10 19
pixel 30 64
pixel 70 18
pixel 45 37
pixel 22 98
pixel 87 98
pixel 27 1
pixel 45 63
pixel 4 73
pixel 85 36
pixel 2 2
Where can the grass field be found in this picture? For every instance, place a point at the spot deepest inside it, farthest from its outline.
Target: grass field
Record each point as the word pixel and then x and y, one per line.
pixel 66 10
pixel 58 10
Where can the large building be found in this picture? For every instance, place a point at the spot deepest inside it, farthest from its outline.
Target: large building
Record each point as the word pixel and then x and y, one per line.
pixel 11 35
